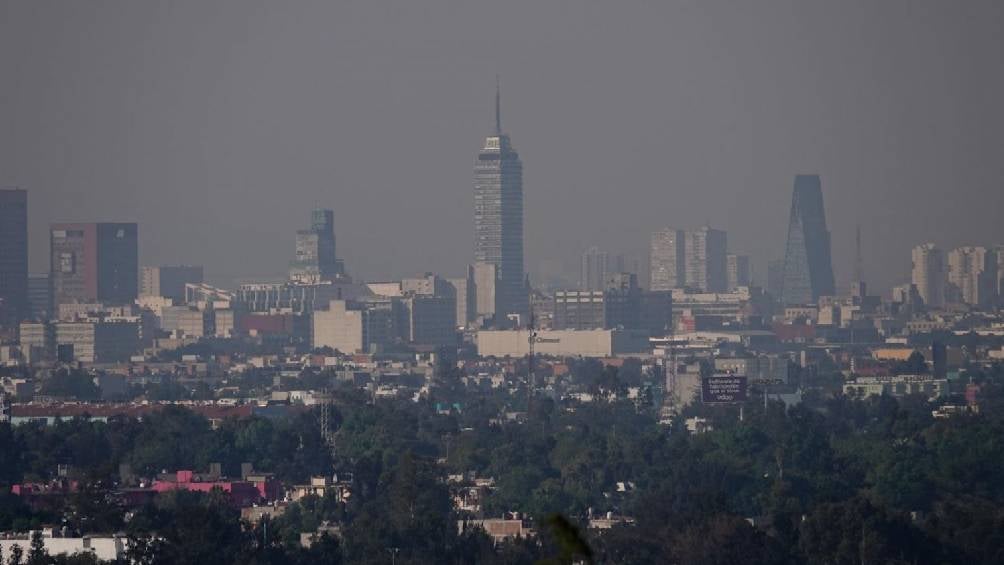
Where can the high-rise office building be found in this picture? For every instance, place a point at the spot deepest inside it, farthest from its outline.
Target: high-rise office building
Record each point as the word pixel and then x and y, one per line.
pixel 667 269
pixel 738 269
pixel 972 274
pixel 808 268
pixel 94 262
pixel 466 293
pixel 775 278
pixel 593 272
pixel 498 218
pixel 39 296
pixel 486 290
pixel 627 263
pixel 928 274
pixel 704 260
pixel 316 256
pixel 169 281
pixel 13 255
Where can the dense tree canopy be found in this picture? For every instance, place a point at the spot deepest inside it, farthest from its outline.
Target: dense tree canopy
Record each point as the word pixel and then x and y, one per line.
pixel 833 480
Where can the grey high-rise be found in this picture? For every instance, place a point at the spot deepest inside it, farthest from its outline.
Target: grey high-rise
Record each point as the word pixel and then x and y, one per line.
pixel 13 255
pixel 667 269
pixel 808 269
pixel 498 218
pixel 316 254
pixel 595 265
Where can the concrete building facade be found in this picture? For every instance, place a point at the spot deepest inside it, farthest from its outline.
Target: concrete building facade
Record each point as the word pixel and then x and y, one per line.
pixel 972 273
pixel 593 269
pixel 169 281
pixel 667 269
pixel 704 260
pixel 738 272
pixel 928 274
pixel 94 262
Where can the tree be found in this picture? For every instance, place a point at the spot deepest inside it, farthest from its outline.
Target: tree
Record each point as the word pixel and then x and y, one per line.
pixel 572 548
pixel 71 383
pixel 723 539
pixel 37 554
pixel 16 556
pixel 915 364
pixel 856 531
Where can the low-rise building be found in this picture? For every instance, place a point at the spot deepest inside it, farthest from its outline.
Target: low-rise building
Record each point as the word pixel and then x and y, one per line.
pixel 562 343
pixel 896 385
pixel 499 529
pixel 103 547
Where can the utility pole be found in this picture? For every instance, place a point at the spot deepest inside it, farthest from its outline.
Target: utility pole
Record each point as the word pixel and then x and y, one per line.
pixel 325 422
pixel 532 339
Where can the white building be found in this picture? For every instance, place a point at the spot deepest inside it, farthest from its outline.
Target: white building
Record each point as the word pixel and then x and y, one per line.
pixel 104 548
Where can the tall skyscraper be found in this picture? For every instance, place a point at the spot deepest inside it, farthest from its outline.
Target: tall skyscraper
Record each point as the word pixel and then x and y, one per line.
pixel 94 262
pixel 808 268
pixel 928 274
pixel 704 259
pixel 595 267
pixel 498 217
pixel 13 255
pixel 316 257
pixel 667 269
pixel 972 274
pixel 738 269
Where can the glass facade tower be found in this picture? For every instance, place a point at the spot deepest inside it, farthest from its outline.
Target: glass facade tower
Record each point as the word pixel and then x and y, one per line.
pixel 498 218
pixel 808 269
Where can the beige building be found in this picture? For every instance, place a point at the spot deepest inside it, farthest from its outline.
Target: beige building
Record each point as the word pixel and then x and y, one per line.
pixel 98 341
pixel 339 328
pixel 928 274
pixel 667 269
pixel 486 281
pixel 563 343
pixel 971 275
pixel 186 321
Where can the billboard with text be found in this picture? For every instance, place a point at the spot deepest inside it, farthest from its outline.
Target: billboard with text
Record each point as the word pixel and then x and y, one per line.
pixel 723 389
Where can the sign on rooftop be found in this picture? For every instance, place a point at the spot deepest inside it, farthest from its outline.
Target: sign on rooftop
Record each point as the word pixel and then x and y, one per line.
pixel 723 389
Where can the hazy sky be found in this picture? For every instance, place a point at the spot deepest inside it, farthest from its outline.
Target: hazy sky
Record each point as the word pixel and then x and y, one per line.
pixel 219 125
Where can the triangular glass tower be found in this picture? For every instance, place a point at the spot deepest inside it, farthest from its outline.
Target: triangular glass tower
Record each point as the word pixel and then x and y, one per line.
pixel 808 269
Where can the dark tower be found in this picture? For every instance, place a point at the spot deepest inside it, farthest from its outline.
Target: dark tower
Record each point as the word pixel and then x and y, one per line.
pixel 13 255
pixel 808 270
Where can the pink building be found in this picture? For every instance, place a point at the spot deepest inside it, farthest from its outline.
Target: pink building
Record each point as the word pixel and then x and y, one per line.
pixel 258 488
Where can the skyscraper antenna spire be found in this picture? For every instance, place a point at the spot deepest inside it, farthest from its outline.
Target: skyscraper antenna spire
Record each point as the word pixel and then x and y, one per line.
pixel 498 106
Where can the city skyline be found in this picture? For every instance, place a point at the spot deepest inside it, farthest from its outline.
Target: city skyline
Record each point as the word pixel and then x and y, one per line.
pixel 279 285
pixel 675 145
